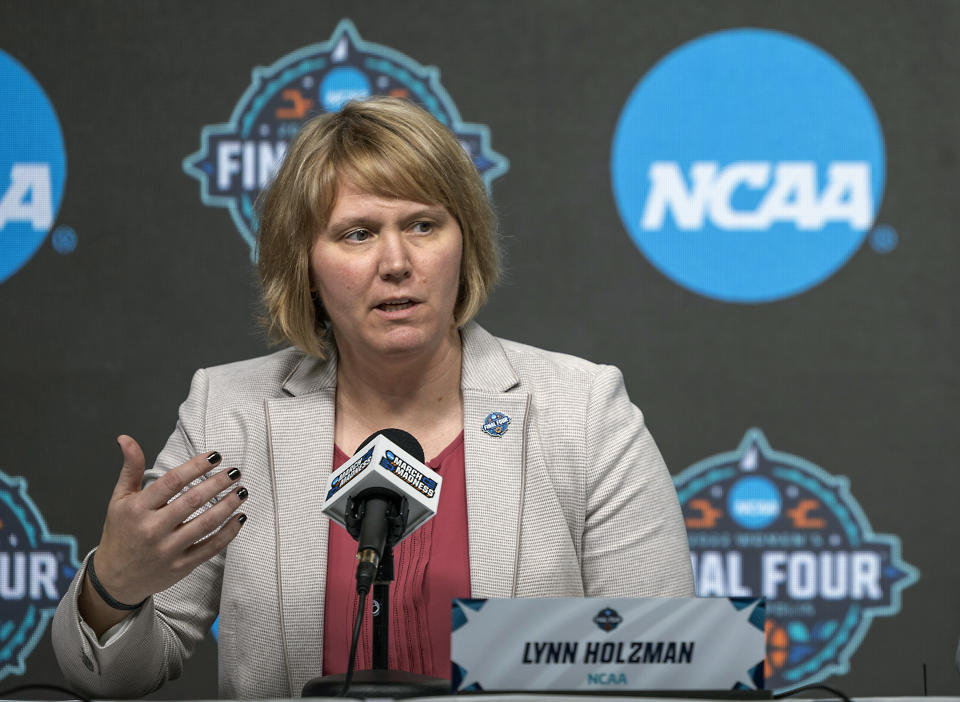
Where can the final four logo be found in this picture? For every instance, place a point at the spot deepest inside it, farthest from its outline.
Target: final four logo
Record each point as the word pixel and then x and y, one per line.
pixel 35 570
pixel 608 619
pixel 766 523
pixel 237 159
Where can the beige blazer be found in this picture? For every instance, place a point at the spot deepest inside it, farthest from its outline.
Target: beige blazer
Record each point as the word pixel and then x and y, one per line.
pixel 572 500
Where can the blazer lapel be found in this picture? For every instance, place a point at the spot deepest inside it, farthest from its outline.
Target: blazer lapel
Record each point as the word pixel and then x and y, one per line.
pixel 494 464
pixel 300 430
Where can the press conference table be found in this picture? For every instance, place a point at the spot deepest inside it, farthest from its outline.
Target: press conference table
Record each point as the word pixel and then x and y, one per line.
pixel 541 697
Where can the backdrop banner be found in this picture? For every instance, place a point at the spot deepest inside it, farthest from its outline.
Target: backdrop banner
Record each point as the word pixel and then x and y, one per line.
pixel 748 207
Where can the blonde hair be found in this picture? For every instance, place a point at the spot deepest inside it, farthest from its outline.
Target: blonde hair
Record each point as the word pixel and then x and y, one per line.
pixel 387 147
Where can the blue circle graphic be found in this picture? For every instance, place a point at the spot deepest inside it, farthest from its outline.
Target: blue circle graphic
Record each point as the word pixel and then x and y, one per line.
pixel 748 165
pixel 884 239
pixel 64 240
pixel 754 502
pixel 341 85
pixel 33 166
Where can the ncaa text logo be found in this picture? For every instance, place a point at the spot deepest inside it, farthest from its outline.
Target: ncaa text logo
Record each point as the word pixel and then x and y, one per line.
pixel 237 159
pixel 35 570
pixel 33 166
pixel 765 523
pixel 748 165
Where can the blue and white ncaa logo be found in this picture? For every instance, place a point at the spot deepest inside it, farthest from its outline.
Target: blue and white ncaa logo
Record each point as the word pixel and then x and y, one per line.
pixel 754 502
pixel 33 166
pixel 748 165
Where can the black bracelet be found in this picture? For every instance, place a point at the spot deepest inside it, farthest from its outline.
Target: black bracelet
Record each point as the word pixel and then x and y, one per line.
pixel 102 591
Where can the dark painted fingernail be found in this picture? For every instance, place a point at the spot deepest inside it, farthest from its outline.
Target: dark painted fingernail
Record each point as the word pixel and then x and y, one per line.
pixel 233 473
pixel 242 493
pixel 214 458
pixel 241 518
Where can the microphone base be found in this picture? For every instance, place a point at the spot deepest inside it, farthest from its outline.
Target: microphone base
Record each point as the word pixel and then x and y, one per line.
pixel 378 683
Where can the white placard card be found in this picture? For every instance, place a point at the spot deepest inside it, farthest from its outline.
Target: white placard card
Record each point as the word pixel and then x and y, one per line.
pixel 608 644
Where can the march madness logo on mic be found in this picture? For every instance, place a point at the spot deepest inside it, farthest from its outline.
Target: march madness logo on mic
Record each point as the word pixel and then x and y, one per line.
pixel 36 568
pixel 766 523
pixel 237 159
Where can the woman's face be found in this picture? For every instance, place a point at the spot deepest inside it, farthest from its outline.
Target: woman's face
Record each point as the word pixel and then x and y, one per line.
pixel 388 273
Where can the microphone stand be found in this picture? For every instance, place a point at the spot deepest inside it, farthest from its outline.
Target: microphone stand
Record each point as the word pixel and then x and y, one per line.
pixel 381 611
pixel 380 681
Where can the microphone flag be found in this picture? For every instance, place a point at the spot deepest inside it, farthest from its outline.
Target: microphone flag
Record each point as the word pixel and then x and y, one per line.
pixel 381 463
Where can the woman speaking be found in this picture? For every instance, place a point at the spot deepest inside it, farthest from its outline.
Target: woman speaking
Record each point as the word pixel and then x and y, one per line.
pixel 377 248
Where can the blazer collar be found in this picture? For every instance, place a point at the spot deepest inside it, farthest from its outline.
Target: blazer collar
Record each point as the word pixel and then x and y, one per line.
pixel 485 364
pixel 312 375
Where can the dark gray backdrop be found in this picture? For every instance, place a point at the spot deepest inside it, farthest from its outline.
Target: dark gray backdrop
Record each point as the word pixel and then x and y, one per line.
pixel 857 375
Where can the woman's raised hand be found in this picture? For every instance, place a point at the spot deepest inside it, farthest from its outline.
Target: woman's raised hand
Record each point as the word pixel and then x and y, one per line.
pixel 147 545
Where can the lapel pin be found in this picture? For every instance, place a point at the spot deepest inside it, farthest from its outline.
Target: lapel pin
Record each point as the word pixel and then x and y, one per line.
pixel 496 424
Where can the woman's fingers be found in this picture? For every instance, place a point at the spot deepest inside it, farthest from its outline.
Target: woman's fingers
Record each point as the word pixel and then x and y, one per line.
pixel 198 497
pixel 210 520
pixel 168 485
pixel 131 474
pixel 203 551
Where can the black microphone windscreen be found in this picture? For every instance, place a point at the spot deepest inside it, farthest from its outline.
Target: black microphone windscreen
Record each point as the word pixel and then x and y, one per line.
pixel 401 438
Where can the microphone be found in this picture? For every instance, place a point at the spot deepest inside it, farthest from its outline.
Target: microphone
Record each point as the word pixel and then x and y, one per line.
pixel 381 495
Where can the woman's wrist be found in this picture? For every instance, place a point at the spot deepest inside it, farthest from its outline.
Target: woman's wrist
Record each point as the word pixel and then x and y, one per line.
pixel 102 591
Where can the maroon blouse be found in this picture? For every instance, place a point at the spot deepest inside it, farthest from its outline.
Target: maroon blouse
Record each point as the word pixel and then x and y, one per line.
pixel 431 567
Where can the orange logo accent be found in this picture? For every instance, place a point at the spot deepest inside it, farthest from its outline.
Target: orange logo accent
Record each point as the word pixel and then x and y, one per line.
pixel 298 105
pixel 778 645
pixel 801 515
pixel 708 515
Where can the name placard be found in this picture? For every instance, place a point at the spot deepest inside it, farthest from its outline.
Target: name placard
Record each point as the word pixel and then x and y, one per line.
pixel 597 644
